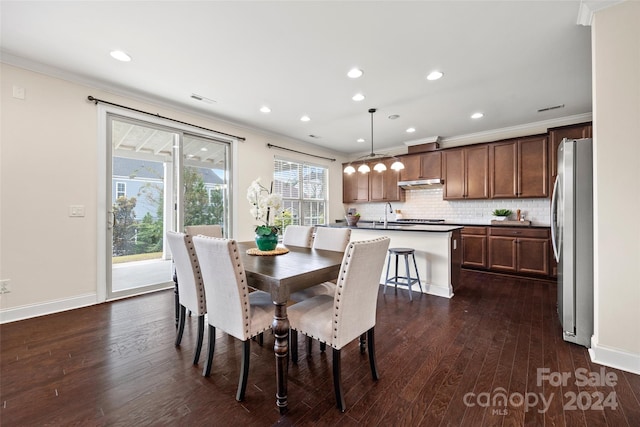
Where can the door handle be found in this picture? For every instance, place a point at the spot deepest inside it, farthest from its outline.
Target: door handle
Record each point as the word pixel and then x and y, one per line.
pixel 554 221
pixel 111 219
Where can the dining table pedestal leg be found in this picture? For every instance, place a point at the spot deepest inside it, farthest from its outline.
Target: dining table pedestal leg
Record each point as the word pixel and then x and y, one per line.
pixel 281 348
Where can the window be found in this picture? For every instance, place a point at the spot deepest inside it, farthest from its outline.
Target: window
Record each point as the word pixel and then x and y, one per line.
pixel 121 190
pixel 303 188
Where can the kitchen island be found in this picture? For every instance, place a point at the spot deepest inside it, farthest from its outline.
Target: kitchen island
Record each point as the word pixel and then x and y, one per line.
pixel 437 250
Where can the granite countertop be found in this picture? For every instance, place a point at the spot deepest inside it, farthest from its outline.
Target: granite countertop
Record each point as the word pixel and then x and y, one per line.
pixel 399 226
pixel 395 225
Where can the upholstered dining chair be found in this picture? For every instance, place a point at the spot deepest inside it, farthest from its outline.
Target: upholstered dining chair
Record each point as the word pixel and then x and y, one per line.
pixel 351 312
pixel 190 287
pixel 298 235
pixel 330 239
pixel 213 230
pixel 230 305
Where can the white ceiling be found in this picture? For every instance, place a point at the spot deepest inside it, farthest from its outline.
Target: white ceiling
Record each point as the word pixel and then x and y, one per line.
pixel 507 59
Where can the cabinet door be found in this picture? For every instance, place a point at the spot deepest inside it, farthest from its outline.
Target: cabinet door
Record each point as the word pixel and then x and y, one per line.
pixel 355 187
pixel 504 169
pixel 431 165
pixel 533 256
pixel 454 174
pixel 412 167
pixel 477 172
pixel 533 173
pixel 383 186
pixel 556 135
pixel 474 250
pixel 503 253
pixel 519 168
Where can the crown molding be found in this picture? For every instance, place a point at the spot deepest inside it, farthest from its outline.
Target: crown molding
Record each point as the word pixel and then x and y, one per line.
pixel 589 7
pixel 515 131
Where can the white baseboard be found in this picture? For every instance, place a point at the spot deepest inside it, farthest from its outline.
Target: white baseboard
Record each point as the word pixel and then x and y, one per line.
pixel 439 291
pixel 430 289
pixel 49 307
pixel 614 358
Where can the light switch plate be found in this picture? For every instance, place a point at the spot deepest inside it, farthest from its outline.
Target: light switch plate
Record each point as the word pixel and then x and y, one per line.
pixel 18 92
pixel 76 210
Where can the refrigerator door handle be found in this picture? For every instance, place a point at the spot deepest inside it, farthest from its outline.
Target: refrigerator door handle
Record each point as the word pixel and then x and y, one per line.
pixel 554 221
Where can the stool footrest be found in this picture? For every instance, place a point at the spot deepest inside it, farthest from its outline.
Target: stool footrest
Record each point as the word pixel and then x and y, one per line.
pixel 402 280
pixel 397 280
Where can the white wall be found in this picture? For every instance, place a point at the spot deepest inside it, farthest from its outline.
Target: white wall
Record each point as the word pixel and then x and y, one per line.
pixel 49 160
pixel 616 89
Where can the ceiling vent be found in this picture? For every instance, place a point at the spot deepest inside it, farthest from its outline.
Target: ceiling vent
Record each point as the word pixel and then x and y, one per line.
pixel 555 107
pixel 202 98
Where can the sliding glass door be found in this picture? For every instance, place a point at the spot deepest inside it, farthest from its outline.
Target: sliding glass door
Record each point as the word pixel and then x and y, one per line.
pixel 161 178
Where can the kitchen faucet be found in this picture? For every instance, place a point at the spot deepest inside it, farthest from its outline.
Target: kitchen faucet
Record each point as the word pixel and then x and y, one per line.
pixel 385 212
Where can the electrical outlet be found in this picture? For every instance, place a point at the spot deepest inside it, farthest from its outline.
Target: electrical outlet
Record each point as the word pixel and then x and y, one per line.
pixel 4 286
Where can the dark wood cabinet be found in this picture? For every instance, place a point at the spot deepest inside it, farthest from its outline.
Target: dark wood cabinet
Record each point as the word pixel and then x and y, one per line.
pixel 556 135
pixel 383 186
pixel 466 173
pixel 355 187
pixel 421 166
pixel 474 247
pixel 373 186
pixel 519 168
pixel 517 250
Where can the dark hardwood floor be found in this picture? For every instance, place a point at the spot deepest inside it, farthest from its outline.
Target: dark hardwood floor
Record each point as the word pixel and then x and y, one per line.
pixel 441 362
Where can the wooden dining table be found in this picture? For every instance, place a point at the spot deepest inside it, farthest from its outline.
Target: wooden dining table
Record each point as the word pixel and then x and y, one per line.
pixel 281 275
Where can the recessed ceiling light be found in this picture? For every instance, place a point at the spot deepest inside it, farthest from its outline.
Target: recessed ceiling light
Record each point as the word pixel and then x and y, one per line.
pixel 393 116
pixel 358 97
pixel 354 73
pixel 305 118
pixel 204 149
pixel 477 115
pixel 411 130
pixel 120 55
pixel 360 140
pixel 265 109
pixel 434 75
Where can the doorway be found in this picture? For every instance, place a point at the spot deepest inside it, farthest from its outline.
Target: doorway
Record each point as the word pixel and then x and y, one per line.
pixel 160 178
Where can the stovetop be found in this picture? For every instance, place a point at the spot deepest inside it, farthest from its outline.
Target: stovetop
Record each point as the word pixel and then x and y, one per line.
pixel 421 220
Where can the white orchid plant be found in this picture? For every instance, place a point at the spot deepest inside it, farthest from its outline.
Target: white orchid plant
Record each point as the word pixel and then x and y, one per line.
pixel 264 207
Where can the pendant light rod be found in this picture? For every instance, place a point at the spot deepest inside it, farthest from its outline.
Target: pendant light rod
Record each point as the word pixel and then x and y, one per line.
pixel 372 111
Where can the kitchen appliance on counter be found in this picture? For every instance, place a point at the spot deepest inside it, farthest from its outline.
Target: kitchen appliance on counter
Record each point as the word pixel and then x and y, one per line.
pixel 572 238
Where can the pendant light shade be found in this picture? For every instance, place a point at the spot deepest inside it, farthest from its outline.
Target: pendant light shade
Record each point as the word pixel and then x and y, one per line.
pixel 380 166
pixel 363 168
pixel 397 165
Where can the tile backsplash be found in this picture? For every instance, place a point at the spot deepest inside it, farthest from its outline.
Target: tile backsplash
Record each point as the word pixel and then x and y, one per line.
pixel 428 203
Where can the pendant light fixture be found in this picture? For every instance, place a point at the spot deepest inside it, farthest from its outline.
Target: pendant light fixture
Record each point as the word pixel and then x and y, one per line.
pixel 380 166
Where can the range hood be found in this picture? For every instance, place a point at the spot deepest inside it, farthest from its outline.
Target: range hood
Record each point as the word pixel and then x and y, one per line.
pixel 420 183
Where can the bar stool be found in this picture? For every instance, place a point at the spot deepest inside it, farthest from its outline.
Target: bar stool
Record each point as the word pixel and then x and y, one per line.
pixel 402 280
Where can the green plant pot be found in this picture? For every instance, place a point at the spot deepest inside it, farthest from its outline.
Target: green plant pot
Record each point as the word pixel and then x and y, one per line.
pixel 266 242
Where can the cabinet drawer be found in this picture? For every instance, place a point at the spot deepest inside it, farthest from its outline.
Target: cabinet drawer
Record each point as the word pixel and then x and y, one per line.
pixel 480 231
pixel 542 233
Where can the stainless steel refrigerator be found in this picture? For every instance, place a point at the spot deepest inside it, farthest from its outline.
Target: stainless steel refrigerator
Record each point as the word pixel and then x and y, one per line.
pixel 572 238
